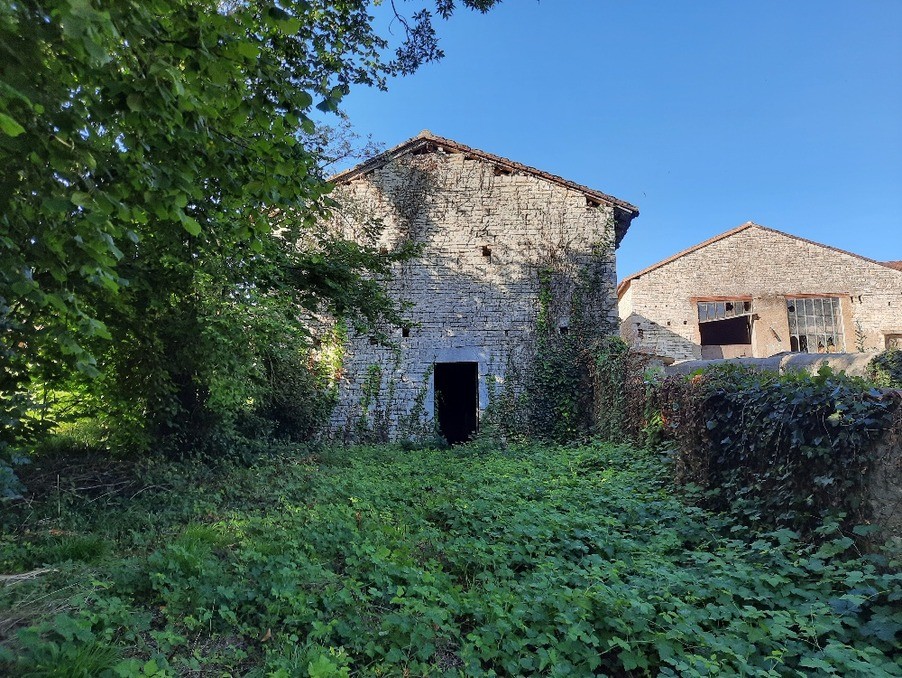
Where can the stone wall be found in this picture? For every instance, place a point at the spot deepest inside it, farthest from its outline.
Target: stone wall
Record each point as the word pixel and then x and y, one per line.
pixel 659 314
pixel 885 485
pixel 853 364
pixel 485 235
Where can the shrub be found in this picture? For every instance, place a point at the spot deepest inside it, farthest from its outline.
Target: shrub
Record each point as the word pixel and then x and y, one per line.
pixel 886 369
pixel 785 449
pixel 297 399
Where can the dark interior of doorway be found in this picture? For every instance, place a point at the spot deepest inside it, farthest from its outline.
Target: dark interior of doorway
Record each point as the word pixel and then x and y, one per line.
pixel 457 400
pixel 725 332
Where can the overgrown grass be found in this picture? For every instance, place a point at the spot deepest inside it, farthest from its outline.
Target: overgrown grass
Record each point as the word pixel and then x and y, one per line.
pixel 470 561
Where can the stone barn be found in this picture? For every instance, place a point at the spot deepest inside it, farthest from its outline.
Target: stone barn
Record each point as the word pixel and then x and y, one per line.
pixel 504 249
pixel 754 291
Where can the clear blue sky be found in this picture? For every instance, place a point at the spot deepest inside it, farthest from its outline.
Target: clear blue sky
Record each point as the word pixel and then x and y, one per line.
pixel 704 114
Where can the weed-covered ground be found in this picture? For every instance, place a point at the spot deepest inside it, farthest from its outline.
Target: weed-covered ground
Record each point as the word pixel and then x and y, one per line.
pixel 384 562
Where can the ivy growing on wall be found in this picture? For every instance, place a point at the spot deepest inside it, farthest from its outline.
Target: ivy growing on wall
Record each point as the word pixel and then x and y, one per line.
pixel 886 369
pixel 379 408
pixel 556 384
pixel 505 419
pixel 790 449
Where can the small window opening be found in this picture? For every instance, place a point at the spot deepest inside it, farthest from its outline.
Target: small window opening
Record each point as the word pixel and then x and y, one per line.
pixel 486 251
pixel 405 332
pixel 502 171
pixel 424 149
pixel 373 341
pixel 507 332
pixel 592 202
pixel 563 329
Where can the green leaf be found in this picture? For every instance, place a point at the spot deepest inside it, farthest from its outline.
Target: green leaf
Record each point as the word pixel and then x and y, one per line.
pixel 304 100
pixel 191 225
pixel 9 126
pixel 135 102
pixel 80 198
pixel 247 49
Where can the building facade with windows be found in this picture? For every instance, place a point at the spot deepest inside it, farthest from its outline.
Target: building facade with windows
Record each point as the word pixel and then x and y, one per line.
pixel 755 292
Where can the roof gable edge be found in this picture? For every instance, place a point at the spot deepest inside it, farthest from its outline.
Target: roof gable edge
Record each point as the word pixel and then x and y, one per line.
pixel 623 285
pixel 425 138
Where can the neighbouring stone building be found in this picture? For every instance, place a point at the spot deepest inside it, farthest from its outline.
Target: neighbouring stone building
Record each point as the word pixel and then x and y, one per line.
pixel 499 240
pixel 754 291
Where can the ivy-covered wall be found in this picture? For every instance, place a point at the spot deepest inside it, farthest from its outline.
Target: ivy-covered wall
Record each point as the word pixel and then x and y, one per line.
pixel 785 449
pixel 508 262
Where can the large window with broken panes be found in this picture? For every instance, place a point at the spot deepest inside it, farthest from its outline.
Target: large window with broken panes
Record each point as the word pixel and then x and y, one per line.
pixel 721 310
pixel 815 325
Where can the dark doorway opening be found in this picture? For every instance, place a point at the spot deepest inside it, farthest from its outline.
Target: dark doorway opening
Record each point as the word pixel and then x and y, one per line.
pixel 457 400
pixel 724 332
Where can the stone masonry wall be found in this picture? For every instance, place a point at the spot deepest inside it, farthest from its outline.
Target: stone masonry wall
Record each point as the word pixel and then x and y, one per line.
pixel 660 315
pixel 474 290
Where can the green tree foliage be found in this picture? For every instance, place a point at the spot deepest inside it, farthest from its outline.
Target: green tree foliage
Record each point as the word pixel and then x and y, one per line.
pixel 159 208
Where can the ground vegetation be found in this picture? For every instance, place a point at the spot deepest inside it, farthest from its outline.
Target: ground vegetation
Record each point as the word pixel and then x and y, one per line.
pixel 470 561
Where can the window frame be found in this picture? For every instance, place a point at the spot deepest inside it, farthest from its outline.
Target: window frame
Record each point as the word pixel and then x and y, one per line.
pixel 818 334
pixel 746 303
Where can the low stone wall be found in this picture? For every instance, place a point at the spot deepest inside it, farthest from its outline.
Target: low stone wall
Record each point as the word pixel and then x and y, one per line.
pixel 886 484
pixel 853 364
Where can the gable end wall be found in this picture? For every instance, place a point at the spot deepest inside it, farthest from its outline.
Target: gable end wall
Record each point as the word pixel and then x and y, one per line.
pixel 467 306
pixel 767 266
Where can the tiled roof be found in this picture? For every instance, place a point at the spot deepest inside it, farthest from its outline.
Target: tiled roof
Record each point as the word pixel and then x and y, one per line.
pixel 624 284
pixel 426 140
